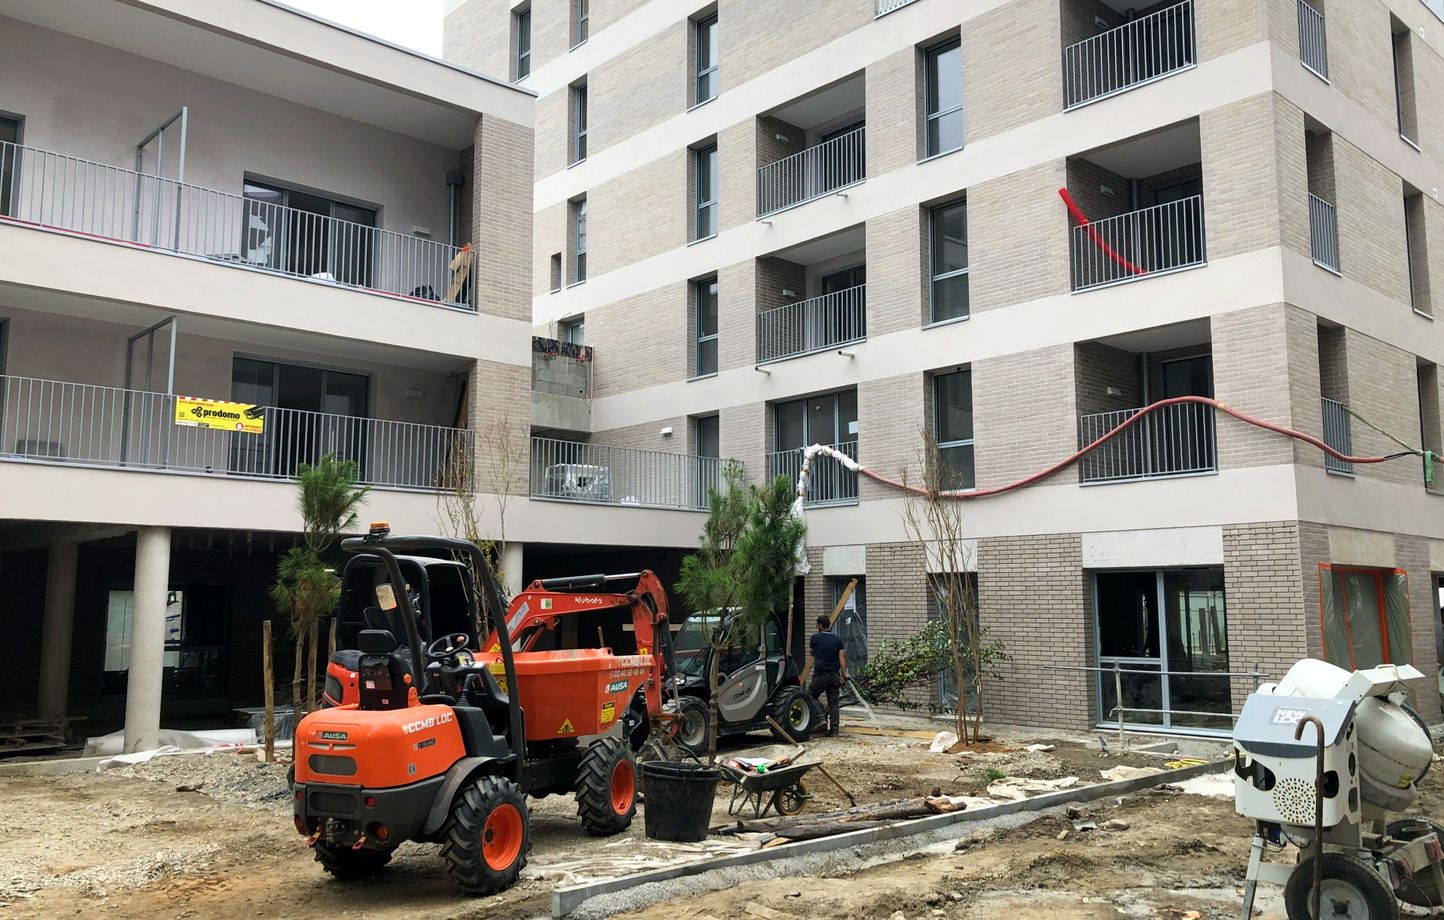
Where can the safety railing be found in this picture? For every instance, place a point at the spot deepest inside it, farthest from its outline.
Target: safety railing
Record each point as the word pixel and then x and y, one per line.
pixel 817 171
pixel 54 191
pixel 1147 49
pixel 1338 435
pixel 887 6
pixel 1139 244
pixel 53 421
pixel 1323 233
pixel 812 325
pixel 1313 41
pixel 1124 685
pixel 575 471
pixel 1176 440
pixel 828 481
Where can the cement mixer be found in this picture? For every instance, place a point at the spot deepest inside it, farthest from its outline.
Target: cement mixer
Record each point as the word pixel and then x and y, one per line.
pixel 1324 758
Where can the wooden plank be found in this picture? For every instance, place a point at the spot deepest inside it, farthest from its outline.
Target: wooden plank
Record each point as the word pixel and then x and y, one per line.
pixel 460 269
pixel 268 675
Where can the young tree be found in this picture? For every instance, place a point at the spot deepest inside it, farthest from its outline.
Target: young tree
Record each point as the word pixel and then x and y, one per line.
pixel 306 589
pixel 460 506
pixel 935 522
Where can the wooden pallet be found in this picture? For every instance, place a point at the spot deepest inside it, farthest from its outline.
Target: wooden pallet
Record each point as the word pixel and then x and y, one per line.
pixel 31 735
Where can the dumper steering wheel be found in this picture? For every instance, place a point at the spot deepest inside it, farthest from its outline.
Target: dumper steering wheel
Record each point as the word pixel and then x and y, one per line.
pixel 450 649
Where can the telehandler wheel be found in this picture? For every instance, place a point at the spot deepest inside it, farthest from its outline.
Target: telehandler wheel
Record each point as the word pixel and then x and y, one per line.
pixel 796 711
pixel 349 865
pixel 694 731
pixel 1351 889
pixel 607 788
pixel 489 836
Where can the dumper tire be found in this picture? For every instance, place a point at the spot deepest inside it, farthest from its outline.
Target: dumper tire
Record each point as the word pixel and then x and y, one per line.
pixel 607 788
pixel 796 711
pixel 1347 881
pixel 348 865
pixel 488 836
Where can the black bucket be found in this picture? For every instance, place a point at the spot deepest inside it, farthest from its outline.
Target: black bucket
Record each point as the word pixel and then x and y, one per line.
pixel 678 806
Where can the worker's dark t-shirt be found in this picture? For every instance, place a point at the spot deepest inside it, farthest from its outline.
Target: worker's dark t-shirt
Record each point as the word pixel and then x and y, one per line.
pixel 825 649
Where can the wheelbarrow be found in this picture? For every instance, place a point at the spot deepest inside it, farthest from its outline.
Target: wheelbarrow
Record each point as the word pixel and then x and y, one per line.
pixel 779 789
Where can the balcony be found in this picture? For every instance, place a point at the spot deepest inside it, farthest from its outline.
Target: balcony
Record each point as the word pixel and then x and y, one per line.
pixel 53 191
pixel 812 325
pixel 1323 234
pixel 1139 244
pixel 812 147
pixel 816 172
pixel 1173 441
pixel 55 422
pixel 561 386
pixel 887 6
pixel 1130 55
pixel 1338 436
pixel 1313 41
pixel 828 481
pixel 600 474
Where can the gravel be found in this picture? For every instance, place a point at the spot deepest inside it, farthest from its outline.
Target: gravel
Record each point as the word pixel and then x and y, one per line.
pixel 232 778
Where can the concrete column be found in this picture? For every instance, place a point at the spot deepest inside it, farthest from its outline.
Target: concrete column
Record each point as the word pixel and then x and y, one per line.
pixel 511 568
pixel 57 630
pixel 147 639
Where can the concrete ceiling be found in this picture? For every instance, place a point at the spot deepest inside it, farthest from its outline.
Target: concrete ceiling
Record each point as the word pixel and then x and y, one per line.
pixel 825 105
pixel 853 239
pixel 1163 338
pixel 1150 154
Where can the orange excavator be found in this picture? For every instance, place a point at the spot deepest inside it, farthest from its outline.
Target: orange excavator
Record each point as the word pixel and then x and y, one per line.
pixel 433 741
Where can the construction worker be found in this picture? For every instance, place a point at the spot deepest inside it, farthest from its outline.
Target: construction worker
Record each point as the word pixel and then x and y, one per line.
pixel 829 670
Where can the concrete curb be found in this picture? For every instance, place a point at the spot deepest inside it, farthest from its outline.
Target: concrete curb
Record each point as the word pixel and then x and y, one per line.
pixel 57 767
pixel 567 900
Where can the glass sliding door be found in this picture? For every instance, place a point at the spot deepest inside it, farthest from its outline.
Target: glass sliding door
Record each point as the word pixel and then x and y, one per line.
pixel 1166 633
pixel 318 411
pixel 300 233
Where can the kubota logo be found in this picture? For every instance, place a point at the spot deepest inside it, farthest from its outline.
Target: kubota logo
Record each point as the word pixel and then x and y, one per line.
pixel 598 601
pixel 429 722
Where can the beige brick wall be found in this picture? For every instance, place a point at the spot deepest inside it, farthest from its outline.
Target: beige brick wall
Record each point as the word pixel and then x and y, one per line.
pixel 640 214
pixel 609 12
pixel 737 175
pixel 1240 177
pixel 1222 26
pixel 890 423
pixel 477 35
pixel 1291 162
pixel 755 39
pixel 1024 413
pixel 1305 381
pixel 1266 605
pixel 550 232
pixel 640 342
pixel 893 136
pixel 897 600
pixel 1383 388
pixel 553 137
pixel 501 215
pixel 1247 346
pixel 1416 209
pixel 737 315
pixel 897 256
pixel 1412 555
pixel 1033 596
pixel 743 435
pixel 1371 222
pixel 1360 52
pixel 499 403
pixel 997 94
pixel 1018 237
pixel 642 87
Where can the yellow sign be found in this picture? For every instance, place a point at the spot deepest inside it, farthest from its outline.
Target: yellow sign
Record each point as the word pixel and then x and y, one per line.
pixel 567 728
pixel 212 413
pixel 609 711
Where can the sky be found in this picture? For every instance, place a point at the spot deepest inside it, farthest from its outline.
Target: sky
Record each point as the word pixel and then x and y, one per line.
pixel 410 23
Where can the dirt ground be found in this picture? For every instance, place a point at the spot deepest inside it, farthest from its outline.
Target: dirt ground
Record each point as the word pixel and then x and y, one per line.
pixel 144 841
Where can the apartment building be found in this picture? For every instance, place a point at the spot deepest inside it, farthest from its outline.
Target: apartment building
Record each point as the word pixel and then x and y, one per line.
pixel 230 201
pixel 761 226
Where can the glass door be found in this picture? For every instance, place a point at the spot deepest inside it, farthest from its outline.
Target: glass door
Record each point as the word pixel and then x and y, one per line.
pixel 328 413
pixel 1184 439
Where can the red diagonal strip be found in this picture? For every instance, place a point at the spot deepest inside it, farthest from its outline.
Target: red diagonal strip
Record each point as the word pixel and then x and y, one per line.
pixel 1093 234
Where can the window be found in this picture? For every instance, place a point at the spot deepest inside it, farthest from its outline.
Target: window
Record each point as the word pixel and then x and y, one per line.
pixel 556 272
pixel 966 586
pixel 707 442
pixel 1404 91
pixel 523 44
pixel 9 158
pixel 949 261
pixel 1416 251
pixel 709 436
pixel 1430 436
pixel 953 428
pixel 579 123
pixel 305 234
pixel 705 169
pixel 579 241
pixel 579 22
pixel 294 433
pixel 1365 616
pixel 573 331
pixel 944 92
pixel 827 419
pixel 705 38
pixel 705 293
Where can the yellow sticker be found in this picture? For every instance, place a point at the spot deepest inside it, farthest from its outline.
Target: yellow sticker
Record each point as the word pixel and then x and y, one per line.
pixel 609 711
pixel 566 728
pixel 498 670
pixel 213 413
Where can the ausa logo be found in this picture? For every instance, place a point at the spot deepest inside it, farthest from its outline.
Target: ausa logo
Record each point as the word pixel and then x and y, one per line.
pixel 333 736
pixel 617 686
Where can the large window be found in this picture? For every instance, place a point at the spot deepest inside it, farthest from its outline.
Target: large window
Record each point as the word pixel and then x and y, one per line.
pixel 967 587
pixel 299 432
pixel 827 419
pixel 579 123
pixel 948 245
pixel 579 241
pixel 580 27
pixel 1164 631
pixel 9 158
pixel 706 45
pixel 705 169
pixel 1364 614
pixel 301 233
pixel 705 293
pixel 944 91
pixel 523 44
pixel 953 428
pixel 1404 87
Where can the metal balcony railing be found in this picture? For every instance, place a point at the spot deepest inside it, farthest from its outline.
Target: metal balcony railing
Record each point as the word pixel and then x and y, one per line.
pixel 828 481
pixel 1176 440
pixel 59 192
pixel 76 423
pixel 1323 233
pixel 817 171
pixel 1313 41
pixel 1140 244
pixel 1147 49
pixel 812 325
pixel 1338 436
pixel 598 473
pixel 887 6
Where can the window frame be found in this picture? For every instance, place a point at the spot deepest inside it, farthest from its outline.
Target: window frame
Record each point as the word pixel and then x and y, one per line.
pixel 934 277
pixel 579 123
pixel 930 58
pixel 700 74
pixel 522 60
pixel 938 420
pixel 567 330
pixel 6 207
pixel 581 26
pixel 698 337
pixel 699 205
pixel 579 241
